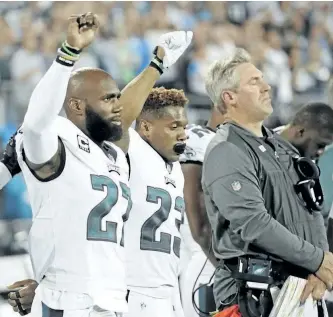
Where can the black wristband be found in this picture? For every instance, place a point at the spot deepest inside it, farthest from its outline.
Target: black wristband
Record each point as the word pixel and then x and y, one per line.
pixel 155 53
pixel 71 49
pixel 152 64
pixel 65 62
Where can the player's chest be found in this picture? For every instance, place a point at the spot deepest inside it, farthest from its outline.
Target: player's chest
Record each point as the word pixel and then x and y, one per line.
pixel 157 192
pixel 100 162
pixel 173 183
pixel 157 173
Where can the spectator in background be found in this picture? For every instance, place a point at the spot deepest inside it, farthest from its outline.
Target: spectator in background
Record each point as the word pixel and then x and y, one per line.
pixel 6 48
pixel 319 36
pixel 199 60
pixel 159 23
pixel 316 69
pixel 275 27
pixel 276 69
pixel 140 45
pixel 27 68
pixel 277 73
pixel 49 45
pixel 295 31
pixel 87 59
pixel 275 33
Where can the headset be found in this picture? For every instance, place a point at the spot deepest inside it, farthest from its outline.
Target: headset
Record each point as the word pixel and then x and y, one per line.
pixel 309 185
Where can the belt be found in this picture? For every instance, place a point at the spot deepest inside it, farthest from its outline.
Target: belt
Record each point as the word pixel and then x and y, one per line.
pixel 281 270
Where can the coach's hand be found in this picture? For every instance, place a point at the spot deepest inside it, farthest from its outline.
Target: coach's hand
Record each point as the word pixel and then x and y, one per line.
pixel 315 287
pixel 82 30
pixel 325 272
pixel 22 299
pixel 174 45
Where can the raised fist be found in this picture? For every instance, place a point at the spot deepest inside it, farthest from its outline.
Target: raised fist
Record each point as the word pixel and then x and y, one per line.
pixel 82 30
pixel 174 45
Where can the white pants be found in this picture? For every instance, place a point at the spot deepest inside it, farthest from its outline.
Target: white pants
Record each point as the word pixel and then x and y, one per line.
pixel 39 309
pixel 188 278
pixel 177 304
pixel 140 305
pixel 287 301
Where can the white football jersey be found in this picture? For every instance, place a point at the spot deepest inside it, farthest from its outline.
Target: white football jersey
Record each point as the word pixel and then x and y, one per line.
pixel 196 144
pixel 195 269
pixel 77 232
pixel 152 234
pixel 279 129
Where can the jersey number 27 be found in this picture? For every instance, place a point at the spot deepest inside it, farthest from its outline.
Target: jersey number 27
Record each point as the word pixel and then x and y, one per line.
pixel 94 222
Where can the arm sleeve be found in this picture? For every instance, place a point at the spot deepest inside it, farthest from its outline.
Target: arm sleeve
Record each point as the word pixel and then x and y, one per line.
pixel 321 231
pixel 234 187
pixel 5 175
pixel 40 139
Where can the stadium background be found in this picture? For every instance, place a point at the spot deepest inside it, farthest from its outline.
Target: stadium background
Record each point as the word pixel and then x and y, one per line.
pixel 291 42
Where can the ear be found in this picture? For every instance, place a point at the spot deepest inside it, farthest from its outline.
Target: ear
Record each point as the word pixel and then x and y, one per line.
pixel 76 106
pixel 145 128
pixel 300 131
pixel 229 98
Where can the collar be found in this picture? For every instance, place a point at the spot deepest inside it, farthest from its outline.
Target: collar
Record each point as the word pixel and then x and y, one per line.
pixel 168 164
pixel 268 135
pixel 210 129
pixel 265 131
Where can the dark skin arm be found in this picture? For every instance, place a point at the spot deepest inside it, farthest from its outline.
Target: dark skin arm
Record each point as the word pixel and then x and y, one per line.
pixel 195 209
pixel 79 38
pixel 26 294
pixel 133 97
pixel 50 167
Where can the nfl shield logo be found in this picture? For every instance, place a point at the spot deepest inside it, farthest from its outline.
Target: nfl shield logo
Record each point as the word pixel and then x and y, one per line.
pixel 236 186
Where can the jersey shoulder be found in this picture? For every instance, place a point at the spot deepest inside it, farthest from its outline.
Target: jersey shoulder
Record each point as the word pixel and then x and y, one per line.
pixel 278 130
pixel 198 139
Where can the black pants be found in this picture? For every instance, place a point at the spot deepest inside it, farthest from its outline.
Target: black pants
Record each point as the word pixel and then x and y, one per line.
pixel 329 306
pixel 49 312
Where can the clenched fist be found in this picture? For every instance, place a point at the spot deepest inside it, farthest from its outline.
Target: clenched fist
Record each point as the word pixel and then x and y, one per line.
pixel 82 30
pixel 21 300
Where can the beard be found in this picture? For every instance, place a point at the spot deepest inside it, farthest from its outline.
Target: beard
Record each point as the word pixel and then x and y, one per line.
pixel 100 129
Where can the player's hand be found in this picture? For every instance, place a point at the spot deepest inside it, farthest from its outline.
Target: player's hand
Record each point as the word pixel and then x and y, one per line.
pixel 174 45
pixel 315 287
pixel 21 300
pixel 325 272
pixel 9 158
pixel 82 30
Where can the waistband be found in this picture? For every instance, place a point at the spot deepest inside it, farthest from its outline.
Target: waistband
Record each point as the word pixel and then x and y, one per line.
pixel 281 270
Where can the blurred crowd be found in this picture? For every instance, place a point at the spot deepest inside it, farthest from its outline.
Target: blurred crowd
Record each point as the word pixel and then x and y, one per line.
pixel 291 42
